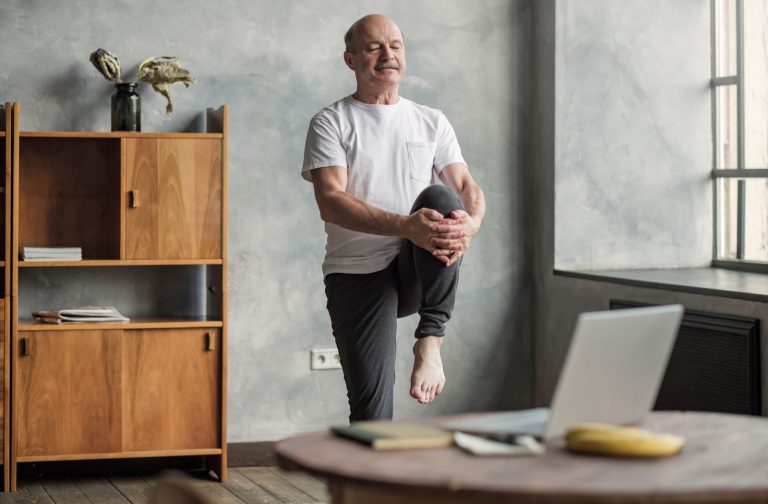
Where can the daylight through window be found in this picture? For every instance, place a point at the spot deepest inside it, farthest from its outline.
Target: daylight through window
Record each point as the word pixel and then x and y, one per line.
pixel 740 131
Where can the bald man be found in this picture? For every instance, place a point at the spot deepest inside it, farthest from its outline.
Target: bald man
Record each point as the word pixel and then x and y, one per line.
pixel 395 238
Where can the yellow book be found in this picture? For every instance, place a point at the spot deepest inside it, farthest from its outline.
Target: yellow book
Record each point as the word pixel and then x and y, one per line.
pixel 384 435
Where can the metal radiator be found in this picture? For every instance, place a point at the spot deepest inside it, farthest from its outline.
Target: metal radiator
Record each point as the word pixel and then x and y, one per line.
pixel 714 366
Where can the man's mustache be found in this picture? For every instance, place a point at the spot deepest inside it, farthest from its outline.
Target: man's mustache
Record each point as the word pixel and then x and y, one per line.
pixel 387 64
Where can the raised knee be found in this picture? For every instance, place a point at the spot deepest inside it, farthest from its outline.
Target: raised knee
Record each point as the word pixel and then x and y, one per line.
pixel 438 197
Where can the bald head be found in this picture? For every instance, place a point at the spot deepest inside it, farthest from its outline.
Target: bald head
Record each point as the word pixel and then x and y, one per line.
pixel 376 53
pixel 359 27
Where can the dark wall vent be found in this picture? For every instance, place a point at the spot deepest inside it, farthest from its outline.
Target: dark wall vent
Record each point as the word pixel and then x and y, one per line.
pixel 714 366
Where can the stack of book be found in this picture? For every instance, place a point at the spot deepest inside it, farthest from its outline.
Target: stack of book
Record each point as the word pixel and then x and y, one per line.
pixel 83 314
pixel 51 254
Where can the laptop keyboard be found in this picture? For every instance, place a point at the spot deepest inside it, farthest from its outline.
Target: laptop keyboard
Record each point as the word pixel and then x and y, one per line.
pixel 531 421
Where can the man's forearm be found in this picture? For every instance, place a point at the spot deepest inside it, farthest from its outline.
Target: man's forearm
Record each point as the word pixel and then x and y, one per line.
pixel 474 201
pixel 350 212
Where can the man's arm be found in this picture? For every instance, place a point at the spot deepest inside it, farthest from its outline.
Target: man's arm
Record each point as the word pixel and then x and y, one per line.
pixel 459 230
pixel 339 207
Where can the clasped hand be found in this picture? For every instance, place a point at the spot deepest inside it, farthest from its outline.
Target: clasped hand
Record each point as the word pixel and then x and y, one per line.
pixel 446 238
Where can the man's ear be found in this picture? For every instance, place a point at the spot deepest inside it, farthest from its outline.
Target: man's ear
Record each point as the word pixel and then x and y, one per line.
pixel 349 60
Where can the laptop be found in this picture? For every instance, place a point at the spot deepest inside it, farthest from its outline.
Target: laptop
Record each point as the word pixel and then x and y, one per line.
pixel 612 373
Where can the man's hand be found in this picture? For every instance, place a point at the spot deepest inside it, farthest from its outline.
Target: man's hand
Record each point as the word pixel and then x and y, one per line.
pixel 453 237
pixel 422 228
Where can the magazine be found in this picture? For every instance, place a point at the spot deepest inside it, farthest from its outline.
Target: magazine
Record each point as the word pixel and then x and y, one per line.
pixel 82 314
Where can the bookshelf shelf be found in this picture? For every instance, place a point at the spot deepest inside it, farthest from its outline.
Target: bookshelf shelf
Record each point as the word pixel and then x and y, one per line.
pixel 117 135
pixel 117 262
pixel 135 454
pixel 28 324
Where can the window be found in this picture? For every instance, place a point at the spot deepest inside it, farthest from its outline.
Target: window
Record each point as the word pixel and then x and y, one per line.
pixel 740 132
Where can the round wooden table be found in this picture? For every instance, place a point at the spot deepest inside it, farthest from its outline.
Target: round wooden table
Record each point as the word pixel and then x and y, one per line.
pixel 725 460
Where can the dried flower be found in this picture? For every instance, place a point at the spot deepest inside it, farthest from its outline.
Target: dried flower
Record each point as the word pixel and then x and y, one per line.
pixel 163 72
pixel 106 63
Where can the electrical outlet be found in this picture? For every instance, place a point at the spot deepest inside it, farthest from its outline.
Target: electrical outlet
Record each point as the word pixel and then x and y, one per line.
pixel 327 358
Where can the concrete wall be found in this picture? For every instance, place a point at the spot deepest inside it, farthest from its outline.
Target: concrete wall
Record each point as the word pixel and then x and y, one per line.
pixel 624 193
pixel 633 142
pixel 275 63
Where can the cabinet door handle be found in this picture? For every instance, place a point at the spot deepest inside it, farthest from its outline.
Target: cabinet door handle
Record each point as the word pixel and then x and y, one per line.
pixel 134 198
pixel 211 341
pixel 24 346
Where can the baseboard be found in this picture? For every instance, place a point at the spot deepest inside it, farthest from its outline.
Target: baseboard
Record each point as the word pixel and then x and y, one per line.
pixel 261 453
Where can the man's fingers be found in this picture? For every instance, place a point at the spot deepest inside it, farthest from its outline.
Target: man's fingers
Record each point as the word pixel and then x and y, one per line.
pixel 432 214
pixel 449 235
pixel 444 256
pixel 449 226
pixel 453 258
pixel 447 244
pixel 447 257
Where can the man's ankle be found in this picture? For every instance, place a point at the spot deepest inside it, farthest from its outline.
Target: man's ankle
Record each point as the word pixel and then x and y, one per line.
pixel 427 343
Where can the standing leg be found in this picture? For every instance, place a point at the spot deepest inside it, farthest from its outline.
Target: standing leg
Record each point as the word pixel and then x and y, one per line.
pixel 426 285
pixel 363 310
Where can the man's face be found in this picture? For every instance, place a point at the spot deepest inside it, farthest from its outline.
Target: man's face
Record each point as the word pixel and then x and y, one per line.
pixel 378 57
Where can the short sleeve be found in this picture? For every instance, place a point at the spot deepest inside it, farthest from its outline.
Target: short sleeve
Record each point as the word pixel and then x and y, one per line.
pixel 323 146
pixel 447 150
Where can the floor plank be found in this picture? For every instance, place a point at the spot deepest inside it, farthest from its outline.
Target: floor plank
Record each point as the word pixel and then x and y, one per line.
pixel 30 492
pixel 101 491
pixel 216 491
pixel 133 488
pixel 276 485
pixel 247 490
pixel 308 484
pixel 65 492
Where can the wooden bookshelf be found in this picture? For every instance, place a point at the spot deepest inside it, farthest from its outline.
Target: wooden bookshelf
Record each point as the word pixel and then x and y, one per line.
pixel 151 387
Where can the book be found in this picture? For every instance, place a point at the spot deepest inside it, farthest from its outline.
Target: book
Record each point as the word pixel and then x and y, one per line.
pixel 384 435
pixel 82 314
pixel 51 253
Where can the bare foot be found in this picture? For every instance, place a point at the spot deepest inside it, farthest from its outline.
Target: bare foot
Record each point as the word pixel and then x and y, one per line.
pixel 427 379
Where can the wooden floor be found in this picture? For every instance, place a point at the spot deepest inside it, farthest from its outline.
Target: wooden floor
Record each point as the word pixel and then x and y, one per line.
pixel 262 485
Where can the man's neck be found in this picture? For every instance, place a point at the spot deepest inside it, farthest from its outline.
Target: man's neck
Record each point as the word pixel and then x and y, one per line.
pixel 388 98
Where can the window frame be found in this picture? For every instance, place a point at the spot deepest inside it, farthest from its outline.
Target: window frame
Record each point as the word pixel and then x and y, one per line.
pixel 740 173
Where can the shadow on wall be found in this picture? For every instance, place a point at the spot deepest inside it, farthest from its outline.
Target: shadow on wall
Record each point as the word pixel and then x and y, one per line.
pixel 71 100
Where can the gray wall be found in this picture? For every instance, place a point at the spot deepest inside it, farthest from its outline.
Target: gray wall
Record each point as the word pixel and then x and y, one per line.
pixel 275 63
pixel 654 163
pixel 633 147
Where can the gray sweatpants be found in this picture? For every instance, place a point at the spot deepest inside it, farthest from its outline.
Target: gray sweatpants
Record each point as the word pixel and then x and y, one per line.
pixel 364 309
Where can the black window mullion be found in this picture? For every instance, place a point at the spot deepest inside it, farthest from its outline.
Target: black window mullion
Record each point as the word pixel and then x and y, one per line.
pixel 742 193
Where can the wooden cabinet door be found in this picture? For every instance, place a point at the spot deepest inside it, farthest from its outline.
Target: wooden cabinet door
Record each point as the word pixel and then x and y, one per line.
pixel 173 198
pixel 172 389
pixel 69 392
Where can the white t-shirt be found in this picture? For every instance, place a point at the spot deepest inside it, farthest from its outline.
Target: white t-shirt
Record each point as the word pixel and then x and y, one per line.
pixel 391 153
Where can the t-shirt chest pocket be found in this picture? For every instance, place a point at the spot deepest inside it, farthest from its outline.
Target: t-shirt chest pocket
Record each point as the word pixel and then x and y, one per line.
pixel 421 158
